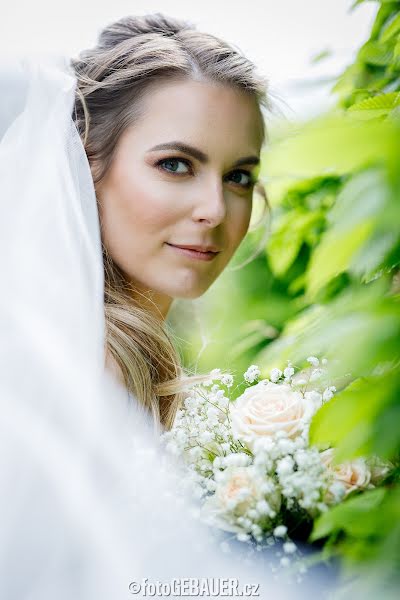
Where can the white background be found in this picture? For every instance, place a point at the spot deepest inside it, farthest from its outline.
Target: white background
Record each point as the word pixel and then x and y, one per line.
pixel 280 36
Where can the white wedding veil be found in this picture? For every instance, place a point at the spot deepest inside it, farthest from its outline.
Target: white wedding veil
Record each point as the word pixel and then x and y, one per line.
pixel 86 504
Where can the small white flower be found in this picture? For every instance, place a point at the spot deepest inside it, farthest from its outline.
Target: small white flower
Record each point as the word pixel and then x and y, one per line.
pixel 338 491
pixel 206 437
pixel 289 547
pixel 288 372
pixel 324 361
pixel 328 393
pixel 285 466
pixel 252 374
pixel 285 446
pixel 280 531
pixel 215 373
pixel 256 530
pixel 315 398
pixel 263 507
pixel 313 360
pixel 195 452
pixel 227 380
pixel 275 375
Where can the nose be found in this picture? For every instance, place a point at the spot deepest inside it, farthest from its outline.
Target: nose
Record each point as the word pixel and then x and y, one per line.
pixel 210 205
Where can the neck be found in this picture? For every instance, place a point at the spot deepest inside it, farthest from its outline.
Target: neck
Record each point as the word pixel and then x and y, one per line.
pixel 156 303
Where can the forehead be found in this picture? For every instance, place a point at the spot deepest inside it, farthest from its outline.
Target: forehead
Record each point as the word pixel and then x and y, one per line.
pixel 216 118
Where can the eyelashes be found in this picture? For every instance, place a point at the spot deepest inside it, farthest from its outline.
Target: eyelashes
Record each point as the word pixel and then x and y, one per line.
pixel 173 166
pixel 173 161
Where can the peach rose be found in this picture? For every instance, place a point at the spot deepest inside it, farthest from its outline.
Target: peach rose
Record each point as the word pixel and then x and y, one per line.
pixel 266 408
pixel 353 475
pixel 238 490
pixel 230 494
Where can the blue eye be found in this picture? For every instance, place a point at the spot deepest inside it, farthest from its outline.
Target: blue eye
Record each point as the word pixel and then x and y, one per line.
pixel 173 165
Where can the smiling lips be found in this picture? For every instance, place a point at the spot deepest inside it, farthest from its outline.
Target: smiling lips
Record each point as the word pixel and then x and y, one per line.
pixel 197 252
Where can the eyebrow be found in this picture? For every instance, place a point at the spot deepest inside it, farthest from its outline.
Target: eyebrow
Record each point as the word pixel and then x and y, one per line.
pixel 201 156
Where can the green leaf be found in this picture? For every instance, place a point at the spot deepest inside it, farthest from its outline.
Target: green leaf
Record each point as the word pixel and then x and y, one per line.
pixel 354 223
pixel 391 28
pixel 347 421
pixel 334 255
pixel 348 516
pixel 376 53
pixel 329 146
pixel 285 242
pixel 377 106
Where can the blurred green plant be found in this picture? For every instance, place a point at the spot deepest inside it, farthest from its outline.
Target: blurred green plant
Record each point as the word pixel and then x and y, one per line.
pixel 329 283
pixel 334 185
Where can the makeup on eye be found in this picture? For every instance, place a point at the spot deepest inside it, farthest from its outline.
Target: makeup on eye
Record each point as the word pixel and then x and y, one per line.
pixel 161 165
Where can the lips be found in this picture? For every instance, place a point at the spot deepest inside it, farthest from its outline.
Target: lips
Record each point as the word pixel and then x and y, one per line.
pixel 195 252
pixel 198 248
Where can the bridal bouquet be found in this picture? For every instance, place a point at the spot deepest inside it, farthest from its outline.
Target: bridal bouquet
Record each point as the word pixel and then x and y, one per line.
pixel 250 461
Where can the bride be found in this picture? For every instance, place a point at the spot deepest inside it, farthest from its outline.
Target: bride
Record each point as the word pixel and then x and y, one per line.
pixel 171 123
pixel 127 177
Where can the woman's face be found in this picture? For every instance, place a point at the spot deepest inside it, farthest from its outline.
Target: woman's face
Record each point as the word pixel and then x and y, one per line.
pixel 182 175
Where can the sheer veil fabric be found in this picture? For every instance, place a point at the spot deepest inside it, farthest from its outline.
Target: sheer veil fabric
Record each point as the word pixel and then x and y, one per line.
pixel 87 504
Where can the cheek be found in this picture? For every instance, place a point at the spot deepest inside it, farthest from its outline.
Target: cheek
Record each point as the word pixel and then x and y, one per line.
pixel 239 221
pixel 135 211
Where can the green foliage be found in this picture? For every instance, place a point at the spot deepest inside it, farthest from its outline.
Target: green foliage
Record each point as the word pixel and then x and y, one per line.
pixel 329 283
pixel 348 300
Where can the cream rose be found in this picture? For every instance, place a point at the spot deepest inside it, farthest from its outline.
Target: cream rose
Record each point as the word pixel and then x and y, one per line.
pixel 353 475
pixel 266 408
pixel 239 490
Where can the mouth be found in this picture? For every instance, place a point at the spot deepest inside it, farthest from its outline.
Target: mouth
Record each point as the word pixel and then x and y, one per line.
pixel 195 252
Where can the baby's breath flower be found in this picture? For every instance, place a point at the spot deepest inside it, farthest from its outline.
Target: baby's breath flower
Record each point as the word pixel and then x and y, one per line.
pixel 275 375
pixel 289 547
pixel 206 437
pixel 227 380
pixel 280 531
pixel 313 360
pixel 263 507
pixel 285 465
pixel 215 373
pixel 288 373
pixel 252 374
pixel 328 393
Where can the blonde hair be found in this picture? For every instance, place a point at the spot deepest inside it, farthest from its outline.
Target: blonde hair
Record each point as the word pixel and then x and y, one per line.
pixel 112 78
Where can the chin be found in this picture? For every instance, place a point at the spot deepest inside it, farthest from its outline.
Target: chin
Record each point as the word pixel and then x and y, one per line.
pixel 186 284
pixel 187 292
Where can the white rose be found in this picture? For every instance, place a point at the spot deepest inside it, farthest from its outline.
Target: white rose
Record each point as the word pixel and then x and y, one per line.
pixel 239 490
pixel 266 408
pixel 353 475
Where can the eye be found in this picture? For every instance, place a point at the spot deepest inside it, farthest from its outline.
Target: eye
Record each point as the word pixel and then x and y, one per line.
pixel 174 165
pixel 242 178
